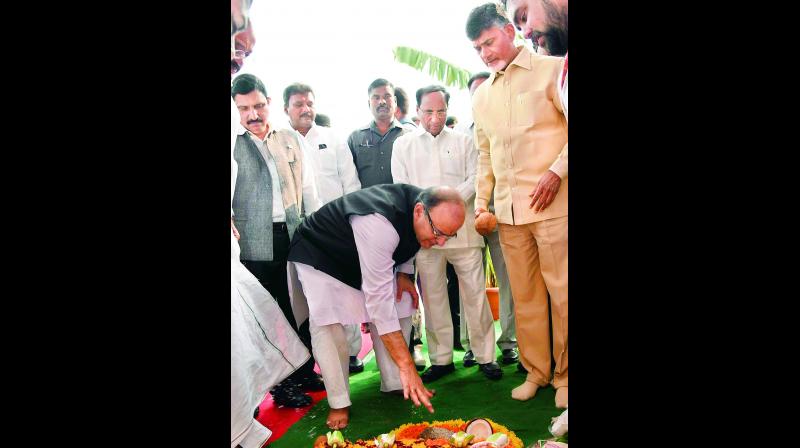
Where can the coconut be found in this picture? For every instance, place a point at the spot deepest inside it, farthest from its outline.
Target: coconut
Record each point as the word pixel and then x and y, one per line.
pixel 485 223
pixel 436 433
pixel 479 428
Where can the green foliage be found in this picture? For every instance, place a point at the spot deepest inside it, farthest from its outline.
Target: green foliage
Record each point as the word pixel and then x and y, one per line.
pixel 439 69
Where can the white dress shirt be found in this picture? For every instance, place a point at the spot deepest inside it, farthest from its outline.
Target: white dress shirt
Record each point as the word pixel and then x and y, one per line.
pixel 330 301
pixel 310 197
pixel 333 163
pixel 451 159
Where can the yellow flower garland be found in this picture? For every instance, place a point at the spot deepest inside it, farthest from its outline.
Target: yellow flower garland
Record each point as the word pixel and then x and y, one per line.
pixel 408 433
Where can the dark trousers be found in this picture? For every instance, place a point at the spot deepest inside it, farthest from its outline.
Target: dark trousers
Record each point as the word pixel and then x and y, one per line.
pixel 455 312
pixel 272 276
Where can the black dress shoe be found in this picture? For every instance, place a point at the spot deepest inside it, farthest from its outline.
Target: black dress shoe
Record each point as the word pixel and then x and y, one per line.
pixel 290 396
pixel 356 365
pixel 435 372
pixel 491 370
pixel 521 368
pixel 469 359
pixel 510 356
pixel 313 383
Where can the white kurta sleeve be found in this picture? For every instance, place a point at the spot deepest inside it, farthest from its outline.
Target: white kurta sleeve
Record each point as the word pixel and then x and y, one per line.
pixel 467 188
pixel 376 241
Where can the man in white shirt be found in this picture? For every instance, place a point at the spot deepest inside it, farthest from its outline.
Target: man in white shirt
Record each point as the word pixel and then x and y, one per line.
pixel 274 189
pixel 437 155
pixel 333 165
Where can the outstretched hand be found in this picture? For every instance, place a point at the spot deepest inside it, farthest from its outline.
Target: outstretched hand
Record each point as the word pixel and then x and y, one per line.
pixel 414 389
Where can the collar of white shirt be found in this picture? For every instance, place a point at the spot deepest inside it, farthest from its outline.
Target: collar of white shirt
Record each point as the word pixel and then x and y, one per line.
pixel 421 131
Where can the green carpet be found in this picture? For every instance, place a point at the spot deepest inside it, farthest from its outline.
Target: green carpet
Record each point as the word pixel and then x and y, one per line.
pixel 465 394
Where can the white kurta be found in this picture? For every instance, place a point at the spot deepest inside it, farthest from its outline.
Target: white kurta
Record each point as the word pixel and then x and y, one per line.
pixel 326 300
pixel 335 171
pixel 451 159
pixel 264 347
pixel 329 303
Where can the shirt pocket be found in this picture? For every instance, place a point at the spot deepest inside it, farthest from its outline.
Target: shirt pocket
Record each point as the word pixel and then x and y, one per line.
pixel 452 167
pixel 365 157
pixel 527 107
pixel 327 162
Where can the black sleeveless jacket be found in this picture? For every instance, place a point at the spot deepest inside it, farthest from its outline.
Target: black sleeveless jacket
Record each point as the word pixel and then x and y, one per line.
pixel 325 239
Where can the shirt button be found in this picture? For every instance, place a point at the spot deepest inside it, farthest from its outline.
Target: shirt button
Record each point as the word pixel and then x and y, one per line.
pixel 381 167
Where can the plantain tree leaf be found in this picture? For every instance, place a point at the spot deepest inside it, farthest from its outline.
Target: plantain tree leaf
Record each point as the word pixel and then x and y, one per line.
pixel 439 69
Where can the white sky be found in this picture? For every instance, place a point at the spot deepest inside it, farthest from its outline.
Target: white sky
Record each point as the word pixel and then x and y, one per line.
pixel 339 47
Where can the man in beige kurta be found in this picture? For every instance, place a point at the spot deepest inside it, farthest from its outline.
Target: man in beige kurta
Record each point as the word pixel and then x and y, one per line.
pixel 521 136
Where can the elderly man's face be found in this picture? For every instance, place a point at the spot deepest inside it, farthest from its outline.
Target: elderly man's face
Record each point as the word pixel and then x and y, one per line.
pixel 242 46
pixel 433 111
pixel 434 226
pixel 544 22
pixel 382 103
pixel 242 37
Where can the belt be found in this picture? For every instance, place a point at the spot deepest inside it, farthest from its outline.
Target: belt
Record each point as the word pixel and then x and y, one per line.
pixel 279 227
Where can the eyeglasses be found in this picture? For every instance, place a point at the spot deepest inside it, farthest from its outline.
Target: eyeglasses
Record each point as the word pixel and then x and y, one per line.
pixel 438 113
pixel 240 54
pixel 436 232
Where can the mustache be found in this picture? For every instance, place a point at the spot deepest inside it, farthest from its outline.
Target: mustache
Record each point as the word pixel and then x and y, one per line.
pixel 257 120
pixel 235 67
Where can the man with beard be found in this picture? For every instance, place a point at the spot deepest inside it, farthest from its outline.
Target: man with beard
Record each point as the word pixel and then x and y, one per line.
pixel 436 155
pixel 521 135
pixel 544 22
pixel 371 145
pixel 333 165
pixel 274 188
pixel 264 346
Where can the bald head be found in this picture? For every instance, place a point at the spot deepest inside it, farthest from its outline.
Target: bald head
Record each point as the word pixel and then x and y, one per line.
pixel 438 214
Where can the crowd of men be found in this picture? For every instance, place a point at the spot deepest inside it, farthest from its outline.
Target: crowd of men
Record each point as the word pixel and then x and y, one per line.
pixel 332 237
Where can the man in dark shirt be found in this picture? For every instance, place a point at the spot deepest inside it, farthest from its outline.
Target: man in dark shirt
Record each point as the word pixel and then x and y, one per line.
pixel 372 145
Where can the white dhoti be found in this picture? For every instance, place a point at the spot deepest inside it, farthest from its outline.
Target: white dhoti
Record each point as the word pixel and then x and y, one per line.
pixel 330 305
pixel 264 350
